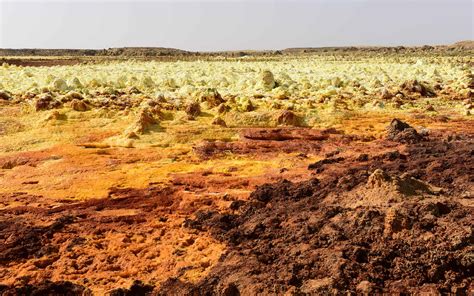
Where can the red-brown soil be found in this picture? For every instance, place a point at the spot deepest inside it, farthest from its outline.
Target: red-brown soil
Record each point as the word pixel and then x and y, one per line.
pixel 392 215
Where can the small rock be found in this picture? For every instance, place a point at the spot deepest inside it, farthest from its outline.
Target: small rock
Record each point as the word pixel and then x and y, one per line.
pixel 429 108
pixel 365 287
pixel 133 90
pixel 377 178
pixel 4 95
pixel 219 121
pixel 248 106
pixel 230 290
pixel 55 115
pixel 60 85
pixel 386 95
pixel 74 95
pixel 399 96
pixel 223 108
pixel 131 135
pixel 267 81
pixel 78 105
pixel 394 222
pixel 45 102
pixel 193 109
pixel 318 286
pixel 288 118
pixel 212 97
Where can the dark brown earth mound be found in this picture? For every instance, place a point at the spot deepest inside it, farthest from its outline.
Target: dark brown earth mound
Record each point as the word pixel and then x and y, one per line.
pixel 400 131
pixel 293 238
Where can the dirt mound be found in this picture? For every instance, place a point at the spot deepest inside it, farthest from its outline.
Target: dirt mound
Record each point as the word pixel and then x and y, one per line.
pixel 288 118
pixel 415 86
pixel 400 131
pixel 145 120
pixel 219 121
pixel 193 110
pixel 382 189
pixel 405 185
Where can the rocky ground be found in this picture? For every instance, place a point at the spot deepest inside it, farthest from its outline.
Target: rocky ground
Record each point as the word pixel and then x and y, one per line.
pixel 371 217
pixel 108 197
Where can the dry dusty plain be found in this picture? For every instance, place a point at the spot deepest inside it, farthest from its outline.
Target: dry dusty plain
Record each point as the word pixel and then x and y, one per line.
pixel 289 173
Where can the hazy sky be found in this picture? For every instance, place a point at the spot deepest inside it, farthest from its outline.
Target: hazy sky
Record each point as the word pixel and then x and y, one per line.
pixel 235 24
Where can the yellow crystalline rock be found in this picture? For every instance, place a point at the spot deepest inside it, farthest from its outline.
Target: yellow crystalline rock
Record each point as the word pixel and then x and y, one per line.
pixel 60 85
pixel 267 81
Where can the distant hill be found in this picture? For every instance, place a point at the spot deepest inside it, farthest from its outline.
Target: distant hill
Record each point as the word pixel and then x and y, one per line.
pixel 461 45
pixel 466 44
pixel 123 51
pixel 172 52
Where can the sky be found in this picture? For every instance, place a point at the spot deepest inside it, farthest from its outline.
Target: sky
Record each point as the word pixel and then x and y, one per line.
pixel 233 24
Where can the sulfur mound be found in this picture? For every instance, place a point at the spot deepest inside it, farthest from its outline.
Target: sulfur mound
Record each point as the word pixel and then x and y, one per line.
pixel 143 123
pixel 76 83
pixel 60 85
pixel 267 81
